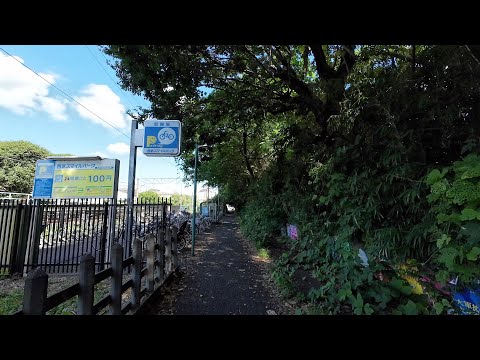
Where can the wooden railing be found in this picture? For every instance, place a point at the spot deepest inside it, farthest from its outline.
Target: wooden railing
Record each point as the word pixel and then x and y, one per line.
pixel 161 257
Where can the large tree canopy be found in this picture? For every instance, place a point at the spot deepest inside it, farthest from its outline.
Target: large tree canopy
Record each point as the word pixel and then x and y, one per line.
pixel 268 98
pixel 17 165
pixel 360 146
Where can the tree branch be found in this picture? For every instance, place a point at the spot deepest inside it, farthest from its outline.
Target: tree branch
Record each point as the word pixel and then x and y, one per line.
pixel 323 70
pixel 347 62
pixel 244 153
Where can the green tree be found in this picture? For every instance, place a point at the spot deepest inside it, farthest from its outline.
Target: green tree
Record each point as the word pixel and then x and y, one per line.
pixel 149 196
pixel 184 200
pixel 335 139
pixel 17 165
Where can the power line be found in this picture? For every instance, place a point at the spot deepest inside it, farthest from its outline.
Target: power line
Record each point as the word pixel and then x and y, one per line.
pixel 106 72
pixel 64 93
pixel 106 60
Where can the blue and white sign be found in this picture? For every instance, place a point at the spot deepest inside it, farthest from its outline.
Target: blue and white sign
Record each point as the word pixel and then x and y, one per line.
pixel 162 137
pixel 43 182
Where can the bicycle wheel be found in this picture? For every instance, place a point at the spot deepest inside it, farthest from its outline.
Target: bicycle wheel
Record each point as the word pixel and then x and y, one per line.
pixel 181 242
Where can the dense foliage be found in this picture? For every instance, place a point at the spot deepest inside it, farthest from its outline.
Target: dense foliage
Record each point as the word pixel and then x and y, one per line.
pixel 368 149
pixel 17 165
pixel 149 196
pixel 183 200
pixel 176 199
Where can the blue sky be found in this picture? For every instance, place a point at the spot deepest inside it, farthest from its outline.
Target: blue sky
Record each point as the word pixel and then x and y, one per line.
pixel 33 110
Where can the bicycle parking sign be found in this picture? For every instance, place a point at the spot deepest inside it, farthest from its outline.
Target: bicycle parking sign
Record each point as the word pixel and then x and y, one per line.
pixel 162 137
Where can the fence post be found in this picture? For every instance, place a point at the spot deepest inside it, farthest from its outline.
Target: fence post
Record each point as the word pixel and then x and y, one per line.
pixel 37 232
pixel 103 241
pixel 23 237
pixel 175 247
pixel 116 284
pixel 86 282
pixel 160 256
pixel 168 250
pixel 137 272
pixel 13 266
pixel 35 293
pixel 150 262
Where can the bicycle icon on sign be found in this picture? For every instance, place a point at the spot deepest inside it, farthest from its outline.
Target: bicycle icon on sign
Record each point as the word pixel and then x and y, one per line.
pixel 166 136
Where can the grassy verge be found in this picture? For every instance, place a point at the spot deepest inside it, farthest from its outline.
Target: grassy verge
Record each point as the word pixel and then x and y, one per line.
pixel 10 302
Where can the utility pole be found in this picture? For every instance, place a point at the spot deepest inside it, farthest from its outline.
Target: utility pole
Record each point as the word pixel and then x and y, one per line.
pixel 194 199
pixel 195 196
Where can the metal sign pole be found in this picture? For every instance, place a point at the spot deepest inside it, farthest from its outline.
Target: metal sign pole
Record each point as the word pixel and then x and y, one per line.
pixel 131 182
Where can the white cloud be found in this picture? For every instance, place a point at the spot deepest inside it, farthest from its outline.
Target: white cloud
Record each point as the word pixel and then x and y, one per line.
pixel 22 92
pixel 101 154
pixel 54 107
pixel 105 103
pixel 119 148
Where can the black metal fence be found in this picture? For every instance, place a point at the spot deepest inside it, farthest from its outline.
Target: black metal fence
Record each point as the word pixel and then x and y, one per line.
pixel 54 234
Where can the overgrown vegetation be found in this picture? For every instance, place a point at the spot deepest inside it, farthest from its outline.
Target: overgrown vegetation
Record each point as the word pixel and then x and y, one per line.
pixel 369 150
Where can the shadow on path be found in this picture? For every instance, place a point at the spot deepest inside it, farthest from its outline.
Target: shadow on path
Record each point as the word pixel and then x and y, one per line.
pixel 225 277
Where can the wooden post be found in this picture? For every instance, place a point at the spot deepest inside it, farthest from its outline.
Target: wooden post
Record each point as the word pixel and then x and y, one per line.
pixel 136 274
pixel 150 262
pixel 86 282
pixel 116 285
pixel 168 251
pixel 160 256
pixel 161 246
pixel 35 294
pixel 175 246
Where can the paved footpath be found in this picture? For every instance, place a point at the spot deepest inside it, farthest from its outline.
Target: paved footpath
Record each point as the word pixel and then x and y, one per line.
pixel 225 277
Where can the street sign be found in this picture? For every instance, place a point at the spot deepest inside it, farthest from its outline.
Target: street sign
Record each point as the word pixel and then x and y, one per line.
pixel 162 137
pixel 43 181
pixel 70 178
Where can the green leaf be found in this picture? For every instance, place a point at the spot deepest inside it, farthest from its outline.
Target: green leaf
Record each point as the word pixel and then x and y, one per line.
pixel 471 173
pixel 401 286
pixel 443 240
pixel 446 303
pixel 434 176
pixel 357 304
pixel 473 254
pixel 368 309
pixel 342 294
pixel 410 308
pixel 438 308
pixel 448 256
pixel 469 214
pixel 442 217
